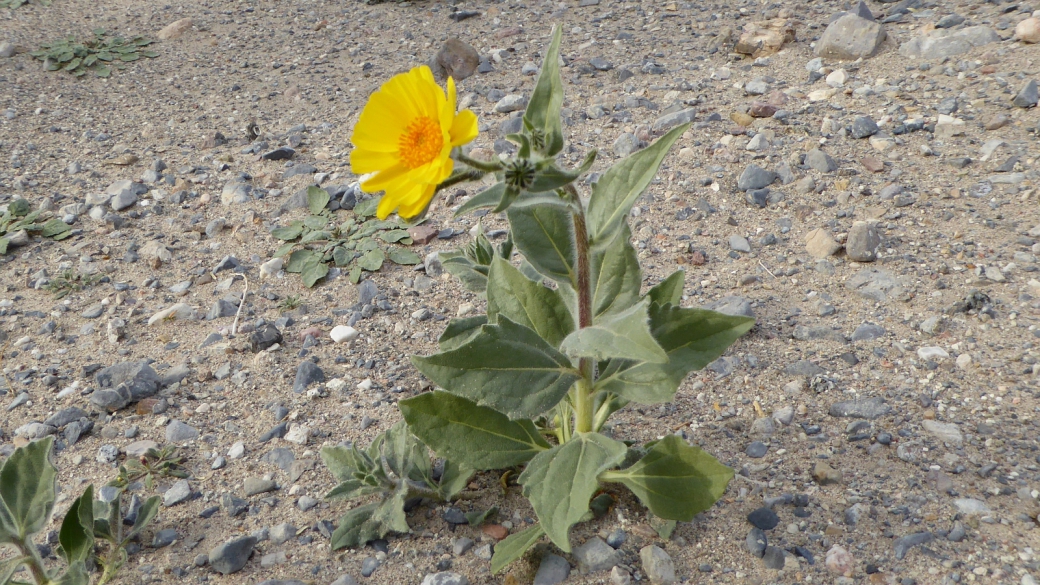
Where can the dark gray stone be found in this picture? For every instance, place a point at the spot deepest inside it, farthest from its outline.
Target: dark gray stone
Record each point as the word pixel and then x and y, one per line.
pixel 180 432
pixel 264 338
pixel 221 308
pixel 164 538
pixel 65 416
pixel 1027 96
pixel 307 373
pixel 867 332
pixel 231 556
pixel 904 544
pixel 757 542
pixel 773 557
pixel 864 127
pixel 755 177
pixel 757 450
pixel 596 555
pixel 866 408
pixel 763 519
pixel 732 305
pixel 124 383
pixel 178 492
pixel 820 161
pixel 863 242
pixel 282 153
pixel 552 570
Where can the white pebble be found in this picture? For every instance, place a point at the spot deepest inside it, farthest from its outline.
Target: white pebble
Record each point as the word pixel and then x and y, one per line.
pixel 341 333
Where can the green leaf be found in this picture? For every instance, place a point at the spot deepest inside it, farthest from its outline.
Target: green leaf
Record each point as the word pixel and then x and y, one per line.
pixel 19 208
pixel 693 338
pixel 560 482
pixel 27 484
pixel 489 197
pixel 624 335
pixel 315 236
pixel 145 515
pixel 102 70
pixel 355 275
pixel 473 436
pixel 553 177
pixel 507 367
pixel 472 275
pixel 476 517
pixel 313 271
pixel 618 189
pixel 341 256
pixel 543 111
pixel 77 529
pixel 461 331
pixel 372 260
pixel 668 291
pixel 393 236
pixel 616 277
pixel 366 207
pixel 4 243
pixel 354 527
pixel 288 232
pixel 454 479
pixel 54 227
pixel 284 249
pixel 664 528
pixel 390 513
pixel 9 567
pixel 508 197
pixel 76 574
pixel 299 259
pixel 675 480
pixel 315 222
pixel 149 54
pixel 514 546
pixel 545 236
pixel 317 199
pixel 527 302
pixel 404 257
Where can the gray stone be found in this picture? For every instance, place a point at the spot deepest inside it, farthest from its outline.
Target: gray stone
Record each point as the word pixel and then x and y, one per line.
pixel 510 103
pixel 866 408
pixel 455 59
pixel 773 557
pixel 552 570
pixel 739 243
pixel 657 565
pixel 344 580
pixel 255 485
pixel 280 457
pixel 849 38
pixel 369 566
pixel 282 533
pixel 445 579
pixel 877 285
pixel 232 555
pixel 732 305
pixel 820 161
pixel 233 506
pixel 904 544
pixel 949 21
pixel 164 538
pixel 264 338
pixel 306 503
pixel 940 44
pixel 1027 96
pixel 236 193
pixel 178 492
pixel 957 534
pixel 756 450
pixel 863 242
pixel 461 545
pixel 755 177
pixel 855 513
pixel 221 308
pixel 93 312
pixel 763 518
pixel 124 383
pixel 65 416
pixel 180 432
pixel 307 373
pixel 867 332
pixel 803 368
pixel 945 432
pixel 596 555
pixel 7 50
pixel 864 127
pixel 626 144
pixel 122 200
pixel 862 11
pixel 669 121
pixel 756 542
pixel 757 86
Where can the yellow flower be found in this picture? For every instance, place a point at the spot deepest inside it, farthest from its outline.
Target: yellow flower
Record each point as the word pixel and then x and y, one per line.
pixel 405 136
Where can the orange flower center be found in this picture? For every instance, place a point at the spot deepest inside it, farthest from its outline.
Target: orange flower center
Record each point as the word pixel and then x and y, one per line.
pixel 421 142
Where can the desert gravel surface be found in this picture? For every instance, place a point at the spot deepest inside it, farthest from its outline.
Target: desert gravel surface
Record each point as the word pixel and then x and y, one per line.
pixel 869 193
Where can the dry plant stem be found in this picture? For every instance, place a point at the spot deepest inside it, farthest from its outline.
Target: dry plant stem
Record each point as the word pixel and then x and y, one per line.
pixel 241 303
pixel 581 397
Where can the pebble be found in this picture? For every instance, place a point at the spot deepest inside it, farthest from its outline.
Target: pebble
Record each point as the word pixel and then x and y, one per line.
pixel 763 518
pixel 863 242
pixel 178 492
pixel 180 432
pixel 839 561
pixel 253 486
pixel 444 579
pixel 282 533
pixel 231 556
pixel 1028 96
pixel 757 450
pixel 552 569
pixel 755 177
pixel 773 557
pixel 307 373
pixel 757 542
pixel 866 408
pixel 343 333
pixel 903 545
pixel 850 37
pixel 820 244
pixel 820 161
pixel 824 474
pixel 657 565
pixel 595 555
pixel 1027 31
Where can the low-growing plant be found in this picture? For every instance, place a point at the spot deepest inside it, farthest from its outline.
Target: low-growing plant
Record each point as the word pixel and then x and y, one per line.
pixel 12 4
pixel 154 463
pixel 569 336
pixel 100 54
pixel 69 282
pixel 19 222
pixel 28 481
pixel 359 243
pixel 290 303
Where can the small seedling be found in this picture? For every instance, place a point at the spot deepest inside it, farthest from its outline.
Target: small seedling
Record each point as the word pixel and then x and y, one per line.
pixel 100 54
pixel 154 463
pixel 69 282
pixel 18 222
pixel 290 303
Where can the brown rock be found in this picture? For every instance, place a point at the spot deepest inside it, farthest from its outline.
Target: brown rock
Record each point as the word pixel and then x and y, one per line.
pixel 422 234
pixel 214 140
pixel 760 39
pixel 762 110
pixel 824 474
pixel 996 122
pixel 496 531
pixel 174 29
pixel 508 32
pixel 872 164
pixel 741 118
pixel 820 244
pixel 456 59
pixel 314 332
pixel 145 406
pixel 1028 31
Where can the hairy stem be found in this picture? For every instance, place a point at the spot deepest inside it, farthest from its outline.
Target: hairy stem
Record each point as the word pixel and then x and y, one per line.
pixel 487 166
pixel 582 391
pixel 34 562
pixel 460 177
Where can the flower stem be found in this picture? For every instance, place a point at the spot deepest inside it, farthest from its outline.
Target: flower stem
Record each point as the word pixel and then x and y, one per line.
pixel 482 165
pixel 582 391
pixel 460 177
pixel 34 562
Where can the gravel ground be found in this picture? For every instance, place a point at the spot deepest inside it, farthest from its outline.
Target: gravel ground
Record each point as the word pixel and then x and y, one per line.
pixel 879 217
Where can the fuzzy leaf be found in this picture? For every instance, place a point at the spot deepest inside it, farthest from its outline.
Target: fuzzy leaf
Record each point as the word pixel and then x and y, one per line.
pixel 623 335
pixel 545 236
pixel 313 271
pixel 461 331
pixel 489 197
pixel 149 509
pixel 618 189
pixel 668 291
pixel 507 367
pixel 675 480
pixel 560 482
pixel 615 274
pixel 527 302
pixel 543 110
pixel 472 275
pixel 366 207
pixel 404 257
pixel 554 177
pixel 354 527
pixel 372 260
pixel 514 546
pixel 473 436
pixel 27 484
pixel 476 517
pixel 454 479
pixel 77 529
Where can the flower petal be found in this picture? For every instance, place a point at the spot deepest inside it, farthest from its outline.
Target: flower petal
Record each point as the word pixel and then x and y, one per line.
pixel 365 160
pixel 463 128
pixel 384 179
pixel 416 206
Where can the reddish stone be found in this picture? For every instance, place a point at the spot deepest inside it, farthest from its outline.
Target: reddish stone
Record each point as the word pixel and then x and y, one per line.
pixel 145 406
pixel 698 258
pixel 496 531
pixel 872 164
pixel 314 332
pixel 422 234
pixel 763 110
